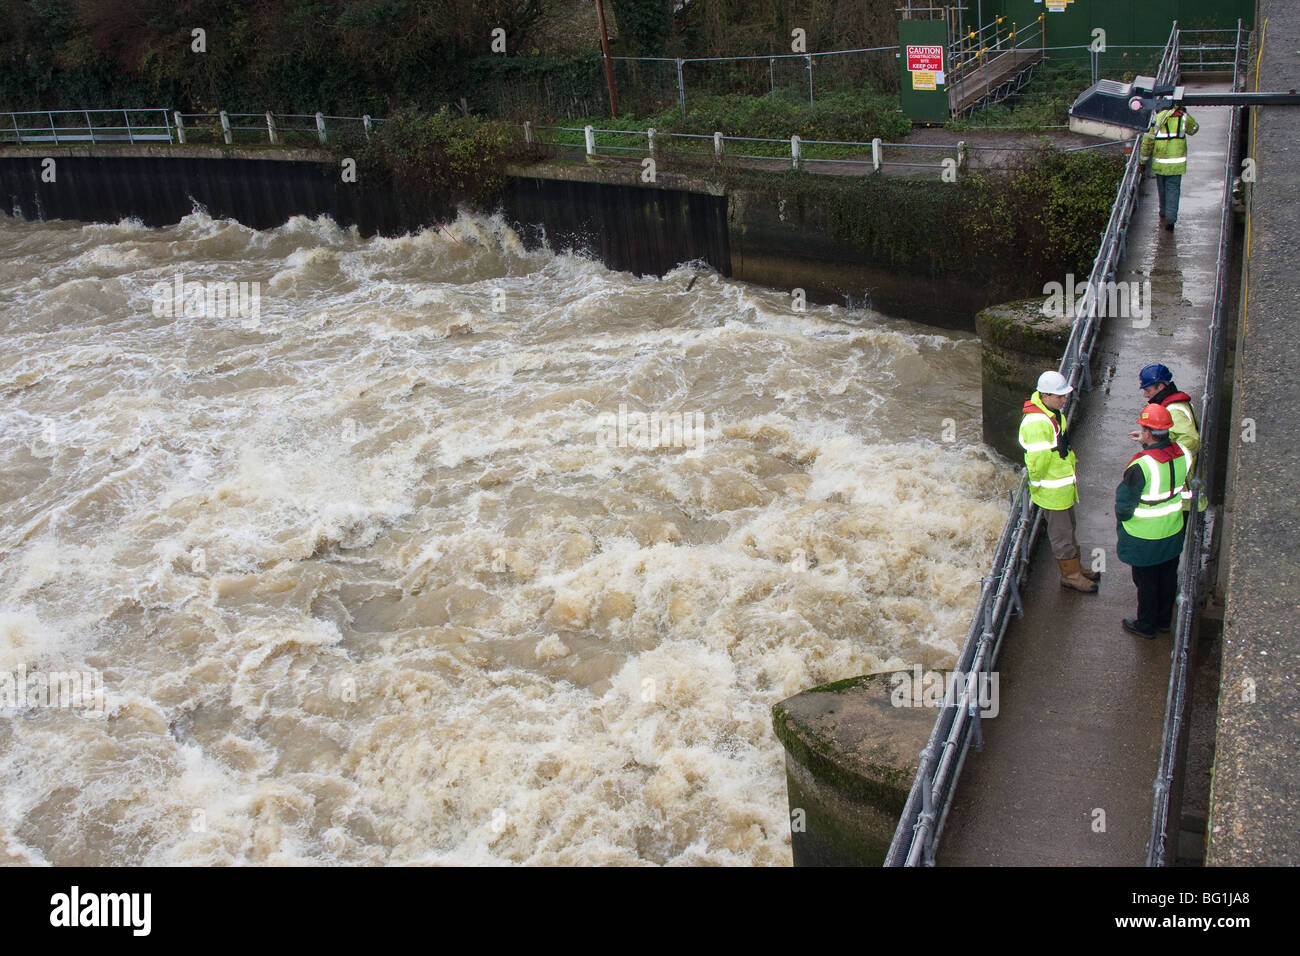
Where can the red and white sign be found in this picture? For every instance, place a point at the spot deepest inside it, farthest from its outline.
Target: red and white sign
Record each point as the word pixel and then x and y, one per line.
pixel 925 58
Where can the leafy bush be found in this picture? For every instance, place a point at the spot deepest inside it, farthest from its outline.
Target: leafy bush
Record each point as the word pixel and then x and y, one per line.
pixel 441 156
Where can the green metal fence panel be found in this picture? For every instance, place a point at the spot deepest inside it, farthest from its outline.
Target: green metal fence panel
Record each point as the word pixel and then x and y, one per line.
pixel 1126 22
pixel 922 56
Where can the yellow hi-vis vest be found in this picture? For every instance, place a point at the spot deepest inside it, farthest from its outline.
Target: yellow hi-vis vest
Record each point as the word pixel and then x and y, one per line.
pixel 1165 144
pixel 1159 513
pixel 1051 478
pixel 1184 432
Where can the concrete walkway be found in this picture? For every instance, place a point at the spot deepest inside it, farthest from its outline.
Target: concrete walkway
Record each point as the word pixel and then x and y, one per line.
pixel 1066 774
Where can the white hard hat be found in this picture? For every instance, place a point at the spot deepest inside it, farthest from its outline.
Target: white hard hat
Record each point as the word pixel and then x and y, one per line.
pixel 1053 383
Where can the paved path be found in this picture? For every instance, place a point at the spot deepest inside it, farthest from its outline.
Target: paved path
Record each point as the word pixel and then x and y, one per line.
pixel 1082 701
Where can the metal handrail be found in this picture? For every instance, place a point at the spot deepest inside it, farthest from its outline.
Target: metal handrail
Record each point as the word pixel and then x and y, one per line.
pixel 1191 569
pixel 171 129
pixel 987 54
pixel 960 149
pixel 957 726
pixel 145 131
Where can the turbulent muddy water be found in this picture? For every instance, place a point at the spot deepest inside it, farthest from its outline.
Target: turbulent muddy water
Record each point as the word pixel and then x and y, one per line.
pixel 376 575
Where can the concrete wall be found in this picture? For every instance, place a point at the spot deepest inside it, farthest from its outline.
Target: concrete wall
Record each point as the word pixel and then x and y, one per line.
pixel 605 211
pixel 160 185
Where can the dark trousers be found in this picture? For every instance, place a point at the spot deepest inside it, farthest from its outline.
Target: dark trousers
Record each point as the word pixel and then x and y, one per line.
pixel 1157 586
pixel 1168 189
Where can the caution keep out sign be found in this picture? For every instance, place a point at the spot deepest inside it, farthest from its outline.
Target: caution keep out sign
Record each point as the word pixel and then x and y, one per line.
pixel 925 63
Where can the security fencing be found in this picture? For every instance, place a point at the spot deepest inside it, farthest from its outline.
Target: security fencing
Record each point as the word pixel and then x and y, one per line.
pixel 658 83
pixel 957 727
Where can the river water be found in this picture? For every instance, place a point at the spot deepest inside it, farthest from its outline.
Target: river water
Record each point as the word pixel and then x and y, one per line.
pixel 441 550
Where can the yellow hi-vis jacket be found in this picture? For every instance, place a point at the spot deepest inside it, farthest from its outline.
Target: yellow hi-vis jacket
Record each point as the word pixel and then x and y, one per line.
pixel 1165 144
pixel 1185 434
pixel 1051 478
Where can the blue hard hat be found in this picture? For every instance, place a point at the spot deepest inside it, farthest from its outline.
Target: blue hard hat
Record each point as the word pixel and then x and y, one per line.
pixel 1154 374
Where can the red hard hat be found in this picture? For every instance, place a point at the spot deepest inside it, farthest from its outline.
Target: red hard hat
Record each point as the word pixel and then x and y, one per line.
pixel 1156 417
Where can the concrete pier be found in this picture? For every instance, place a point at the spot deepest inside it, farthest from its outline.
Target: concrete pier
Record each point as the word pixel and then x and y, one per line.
pixel 850 756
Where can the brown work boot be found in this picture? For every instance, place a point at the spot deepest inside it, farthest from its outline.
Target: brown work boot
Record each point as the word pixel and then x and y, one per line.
pixel 1088 572
pixel 1072 577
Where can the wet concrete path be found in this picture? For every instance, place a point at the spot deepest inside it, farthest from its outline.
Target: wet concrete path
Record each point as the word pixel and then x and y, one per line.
pixel 1066 774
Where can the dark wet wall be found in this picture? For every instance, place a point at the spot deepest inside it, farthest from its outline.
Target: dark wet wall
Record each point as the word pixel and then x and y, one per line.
pixel 641 230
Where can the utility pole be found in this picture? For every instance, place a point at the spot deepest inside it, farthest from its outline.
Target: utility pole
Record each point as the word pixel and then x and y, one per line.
pixel 609 64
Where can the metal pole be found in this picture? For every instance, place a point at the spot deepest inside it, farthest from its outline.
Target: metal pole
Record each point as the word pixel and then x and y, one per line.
pixel 89 129
pixel 681 88
pixel 180 126
pixel 771 75
pixel 810 80
pixel 609 64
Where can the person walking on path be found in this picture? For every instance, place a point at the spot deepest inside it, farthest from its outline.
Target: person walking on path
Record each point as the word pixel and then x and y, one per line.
pixel 1165 146
pixel 1045 437
pixel 1158 388
pixel 1149 521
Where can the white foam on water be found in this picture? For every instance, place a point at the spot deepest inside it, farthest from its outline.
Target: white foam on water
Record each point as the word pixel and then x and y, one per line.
pixel 367 581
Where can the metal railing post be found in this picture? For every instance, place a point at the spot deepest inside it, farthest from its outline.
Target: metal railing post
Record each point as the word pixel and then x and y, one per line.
pixel 717 146
pixel 180 126
pixel 528 132
pixel 961 155
pixel 53 132
pixel 810 80
pixel 18 133
pixel 270 129
pixel 225 127
pixel 368 126
pixel 681 87
pixel 650 141
pixel 589 135
pixel 320 128
pixel 794 151
pixel 875 155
